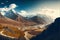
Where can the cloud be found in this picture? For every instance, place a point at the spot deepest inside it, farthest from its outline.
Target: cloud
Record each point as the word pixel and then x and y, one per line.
pixel 3 13
pixel 12 6
pixel 23 13
pixel 26 13
pixel 2 10
pixel 53 13
pixel 5 9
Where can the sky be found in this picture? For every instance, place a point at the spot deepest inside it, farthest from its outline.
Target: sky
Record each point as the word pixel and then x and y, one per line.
pixel 33 7
pixel 22 4
pixel 49 8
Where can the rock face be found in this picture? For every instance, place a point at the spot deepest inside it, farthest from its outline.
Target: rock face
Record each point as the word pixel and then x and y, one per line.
pixel 51 33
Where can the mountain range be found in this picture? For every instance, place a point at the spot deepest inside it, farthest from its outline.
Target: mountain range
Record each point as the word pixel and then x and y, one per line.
pixel 15 24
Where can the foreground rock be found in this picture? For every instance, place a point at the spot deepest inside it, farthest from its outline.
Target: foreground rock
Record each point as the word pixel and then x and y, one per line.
pixel 51 33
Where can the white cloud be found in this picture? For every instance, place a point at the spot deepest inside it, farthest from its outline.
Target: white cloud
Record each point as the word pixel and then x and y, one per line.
pixel 23 13
pixel 53 13
pixel 3 13
pixel 12 6
pixel 2 10
pixel 26 13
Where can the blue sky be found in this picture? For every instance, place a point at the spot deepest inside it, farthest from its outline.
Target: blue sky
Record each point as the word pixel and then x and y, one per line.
pixel 25 4
pixel 22 4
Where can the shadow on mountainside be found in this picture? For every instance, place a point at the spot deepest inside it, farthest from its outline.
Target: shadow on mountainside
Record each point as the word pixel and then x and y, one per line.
pixel 51 33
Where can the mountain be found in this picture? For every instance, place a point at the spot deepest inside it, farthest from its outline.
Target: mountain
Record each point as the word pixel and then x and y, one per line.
pixel 35 20
pixel 5 20
pixel 10 14
pixel 16 25
pixel 25 21
pixel 15 16
pixel 41 19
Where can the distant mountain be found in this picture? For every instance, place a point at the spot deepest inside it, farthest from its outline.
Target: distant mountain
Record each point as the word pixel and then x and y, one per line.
pixel 24 21
pixel 10 14
pixel 15 16
pixel 35 20
pixel 40 19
